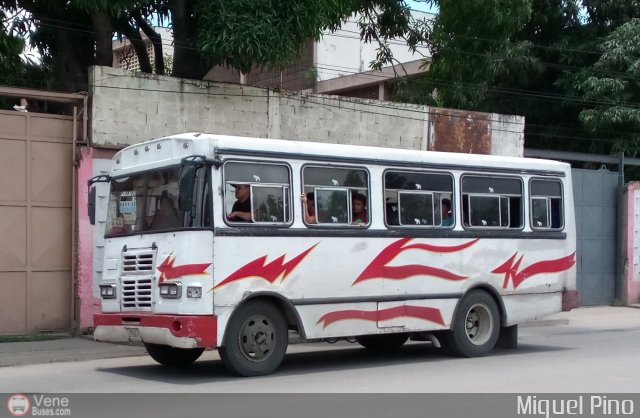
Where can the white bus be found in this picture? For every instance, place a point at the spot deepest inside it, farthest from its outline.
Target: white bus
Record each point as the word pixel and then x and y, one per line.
pixel 208 244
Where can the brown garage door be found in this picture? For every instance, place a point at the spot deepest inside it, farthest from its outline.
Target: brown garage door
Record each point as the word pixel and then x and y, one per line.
pixel 35 222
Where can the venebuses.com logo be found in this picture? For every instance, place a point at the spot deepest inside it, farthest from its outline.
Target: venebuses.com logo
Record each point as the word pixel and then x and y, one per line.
pixel 18 405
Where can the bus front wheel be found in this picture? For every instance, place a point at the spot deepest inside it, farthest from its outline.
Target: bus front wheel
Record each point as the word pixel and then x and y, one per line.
pixel 476 326
pixel 255 341
pixel 171 356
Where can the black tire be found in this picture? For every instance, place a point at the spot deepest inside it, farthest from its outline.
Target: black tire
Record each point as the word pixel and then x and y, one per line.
pixel 476 326
pixel 171 356
pixel 255 341
pixel 383 342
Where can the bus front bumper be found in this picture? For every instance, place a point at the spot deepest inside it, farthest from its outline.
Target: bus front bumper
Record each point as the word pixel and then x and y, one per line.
pixel 180 331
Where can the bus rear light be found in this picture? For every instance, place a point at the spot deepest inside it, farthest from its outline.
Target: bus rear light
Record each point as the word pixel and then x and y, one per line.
pixel 171 290
pixel 194 292
pixel 108 291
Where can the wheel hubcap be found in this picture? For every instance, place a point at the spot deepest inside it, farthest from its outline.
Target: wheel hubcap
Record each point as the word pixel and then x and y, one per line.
pixel 257 338
pixel 479 324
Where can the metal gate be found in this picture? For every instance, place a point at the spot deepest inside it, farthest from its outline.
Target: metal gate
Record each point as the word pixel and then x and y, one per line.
pixel 595 194
pixel 36 168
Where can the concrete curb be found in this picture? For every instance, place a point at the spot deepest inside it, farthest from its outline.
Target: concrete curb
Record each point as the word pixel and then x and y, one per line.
pixel 545 322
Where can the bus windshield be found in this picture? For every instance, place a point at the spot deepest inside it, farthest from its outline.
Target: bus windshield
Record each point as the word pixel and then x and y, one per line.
pixel 144 202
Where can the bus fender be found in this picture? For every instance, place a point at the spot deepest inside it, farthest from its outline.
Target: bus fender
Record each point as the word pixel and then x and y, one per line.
pixel 282 303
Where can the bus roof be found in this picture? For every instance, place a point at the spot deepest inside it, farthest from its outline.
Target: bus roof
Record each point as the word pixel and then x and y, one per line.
pixel 210 144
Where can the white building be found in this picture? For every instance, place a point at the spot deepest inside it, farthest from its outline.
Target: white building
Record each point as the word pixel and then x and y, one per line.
pixel 124 55
pixel 339 63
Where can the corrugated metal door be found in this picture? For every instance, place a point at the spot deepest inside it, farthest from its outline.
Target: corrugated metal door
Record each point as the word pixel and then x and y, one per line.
pixel 595 194
pixel 35 222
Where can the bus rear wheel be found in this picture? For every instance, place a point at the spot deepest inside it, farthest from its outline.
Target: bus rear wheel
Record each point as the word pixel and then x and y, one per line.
pixel 171 356
pixel 382 342
pixel 476 326
pixel 256 340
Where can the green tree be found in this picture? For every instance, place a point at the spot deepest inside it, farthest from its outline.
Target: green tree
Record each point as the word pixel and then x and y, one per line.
pixel 611 88
pixel 16 68
pixel 74 34
pixel 470 43
pixel 523 57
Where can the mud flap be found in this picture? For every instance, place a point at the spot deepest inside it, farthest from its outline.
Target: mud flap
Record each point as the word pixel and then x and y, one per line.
pixel 508 337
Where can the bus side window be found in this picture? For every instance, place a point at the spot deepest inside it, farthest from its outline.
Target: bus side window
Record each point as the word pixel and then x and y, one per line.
pixel 418 199
pixel 492 202
pixel 546 204
pixel 257 193
pixel 336 196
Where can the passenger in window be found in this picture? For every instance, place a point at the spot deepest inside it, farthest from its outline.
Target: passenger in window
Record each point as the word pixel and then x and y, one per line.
pixel 166 215
pixel 392 214
pixel 241 210
pixel 309 207
pixel 359 209
pixel 447 218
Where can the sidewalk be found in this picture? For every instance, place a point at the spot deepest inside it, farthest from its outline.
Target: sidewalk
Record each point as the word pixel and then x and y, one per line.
pixel 63 350
pixel 84 348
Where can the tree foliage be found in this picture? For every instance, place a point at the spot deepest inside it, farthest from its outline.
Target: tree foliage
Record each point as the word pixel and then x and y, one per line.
pixel 74 34
pixel 556 62
pixel 13 69
pixel 611 87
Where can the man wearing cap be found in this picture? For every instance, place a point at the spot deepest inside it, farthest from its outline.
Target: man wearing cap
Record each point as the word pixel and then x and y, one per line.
pixel 241 210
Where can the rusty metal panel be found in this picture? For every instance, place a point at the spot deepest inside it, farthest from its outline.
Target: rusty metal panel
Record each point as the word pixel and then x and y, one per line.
pixel 13 173
pixel 13 237
pixel 50 295
pixel 51 128
pixel 460 131
pixel 13 125
pixel 50 173
pixel 36 170
pixel 50 230
pixel 13 315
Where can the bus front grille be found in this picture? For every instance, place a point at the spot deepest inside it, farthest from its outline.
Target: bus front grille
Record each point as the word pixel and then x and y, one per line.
pixel 137 293
pixel 138 262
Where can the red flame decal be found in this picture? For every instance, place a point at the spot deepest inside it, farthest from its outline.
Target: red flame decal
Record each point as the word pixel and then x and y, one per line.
pixel 168 271
pixel 379 268
pixel 420 312
pixel 510 269
pixel 269 272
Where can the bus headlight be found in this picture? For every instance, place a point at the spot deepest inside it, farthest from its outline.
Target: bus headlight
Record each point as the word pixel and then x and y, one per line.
pixel 194 292
pixel 171 290
pixel 108 291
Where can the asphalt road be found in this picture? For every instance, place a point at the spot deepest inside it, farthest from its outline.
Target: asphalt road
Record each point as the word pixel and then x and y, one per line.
pixel 595 352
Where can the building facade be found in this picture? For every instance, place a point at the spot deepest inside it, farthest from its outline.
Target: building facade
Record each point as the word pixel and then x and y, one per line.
pixel 338 64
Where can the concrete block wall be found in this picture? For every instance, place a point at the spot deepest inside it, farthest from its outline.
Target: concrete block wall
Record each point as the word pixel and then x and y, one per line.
pixel 128 107
pixel 132 107
pixel 507 135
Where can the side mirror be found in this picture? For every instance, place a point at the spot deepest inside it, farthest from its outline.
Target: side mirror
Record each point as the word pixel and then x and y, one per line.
pixel 186 184
pixel 91 205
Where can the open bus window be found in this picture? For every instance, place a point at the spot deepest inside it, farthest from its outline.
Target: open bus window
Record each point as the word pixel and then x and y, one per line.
pixel 269 203
pixel 416 199
pixel 491 202
pixel 546 204
pixel 332 206
pixel 340 195
pixel 257 193
pixel 416 208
